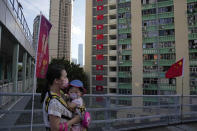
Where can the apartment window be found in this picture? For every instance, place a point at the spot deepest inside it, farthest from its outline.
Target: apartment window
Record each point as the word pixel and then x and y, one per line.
pixel 192 30
pixel 124 36
pixel 125 68
pixel 193 56
pixel 126 57
pixel 112 68
pixel 125 80
pixel 150 34
pixel 112 79
pixel 150 80
pixel 148 69
pixel 149 22
pixel 124 26
pixel 112 26
pixel 150 56
pixel 172 81
pixel 126 47
pixel 113 47
pixel 193 44
pixel 111 7
pixel 124 5
pixel 150 92
pixel 149 11
pixel 111 90
pixel 112 37
pixel 166 32
pixel 112 58
pixel 125 91
pixel 166 21
pixel 165 9
pixel 112 16
pixel 148 1
pixel 167 44
pixel 167 56
pixel 124 15
pixel 193 69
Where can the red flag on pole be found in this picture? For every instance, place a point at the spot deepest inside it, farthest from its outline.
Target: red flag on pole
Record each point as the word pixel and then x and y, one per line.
pixel 42 48
pixel 100 37
pixel 99 27
pixel 99 17
pixel 99 7
pixel 99 57
pixel 99 77
pixel 99 46
pixel 99 67
pixel 175 70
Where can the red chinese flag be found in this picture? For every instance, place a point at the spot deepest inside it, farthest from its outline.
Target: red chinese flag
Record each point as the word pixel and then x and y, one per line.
pixel 99 46
pixel 99 88
pixel 43 48
pixel 99 17
pixel 175 70
pixel 99 77
pixel 99 67
pixel 99 37
pixel 99 7
pixel 99 0
pixel 99 27
pixel 99 57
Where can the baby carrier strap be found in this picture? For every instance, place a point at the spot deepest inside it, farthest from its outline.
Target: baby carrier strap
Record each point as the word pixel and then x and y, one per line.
pixel 55 96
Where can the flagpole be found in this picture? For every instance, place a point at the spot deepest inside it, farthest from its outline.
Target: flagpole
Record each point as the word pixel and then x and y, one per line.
pixel 182 91
pixel 35 80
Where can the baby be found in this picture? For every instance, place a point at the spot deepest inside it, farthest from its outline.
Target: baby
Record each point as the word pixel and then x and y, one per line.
pixel 75 92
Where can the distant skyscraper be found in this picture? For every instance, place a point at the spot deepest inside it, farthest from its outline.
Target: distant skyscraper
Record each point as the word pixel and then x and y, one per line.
pixel 74 60
pixel 35 30
pixel 60 35
pixel 80 54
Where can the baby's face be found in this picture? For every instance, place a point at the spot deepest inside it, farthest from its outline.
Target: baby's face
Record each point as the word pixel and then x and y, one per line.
pixel 75 90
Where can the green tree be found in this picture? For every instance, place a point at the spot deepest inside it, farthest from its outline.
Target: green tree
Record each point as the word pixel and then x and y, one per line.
pixel 74 71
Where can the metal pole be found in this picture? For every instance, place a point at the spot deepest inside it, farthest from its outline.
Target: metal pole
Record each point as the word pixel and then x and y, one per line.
pixel 35 81
pixel 182 103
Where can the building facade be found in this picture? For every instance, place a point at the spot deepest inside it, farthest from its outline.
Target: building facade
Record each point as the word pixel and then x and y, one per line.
pixel 80 54
pixel 130 44
pixel 60 34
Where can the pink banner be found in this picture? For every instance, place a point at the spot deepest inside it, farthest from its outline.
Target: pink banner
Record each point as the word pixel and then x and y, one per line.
pixel 43 48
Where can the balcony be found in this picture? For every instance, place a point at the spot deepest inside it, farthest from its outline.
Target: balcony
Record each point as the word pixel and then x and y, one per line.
pixel 149 28
pixel 125 86
pixel 125 52
pixel 192 36
pixel 113 52
pixel 122 31
pixel 150 51
pixel 149 39
pixel 112 21
pixel 150 75
pixel 125 63
pixel 166 15
pixel 192 63
pixel 112 73
pixel 112 84
pixel 192 50
pixel 165 27
pixel 124 21
pixel 149 17
pixel 165 3
pixel 166 38
pixel 122 10
pixel 124 74
pixel 112 31
pixel 148 6
pixel 124 41
pixel 167 50
pixel 113 63
pixel 112 2
pixel 112 42
pixel 112 12
pixel 191 1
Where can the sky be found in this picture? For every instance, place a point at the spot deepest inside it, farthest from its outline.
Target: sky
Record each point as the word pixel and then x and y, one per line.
pixel 31 8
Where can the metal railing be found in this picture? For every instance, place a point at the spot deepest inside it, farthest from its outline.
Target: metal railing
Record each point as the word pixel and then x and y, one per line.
pixel 108 112
pixel 17 10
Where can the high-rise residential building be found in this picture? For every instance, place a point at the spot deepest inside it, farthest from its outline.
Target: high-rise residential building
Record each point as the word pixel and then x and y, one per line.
pixel 130 44
pixel 60 34
pixel 36 31
pixel 80 54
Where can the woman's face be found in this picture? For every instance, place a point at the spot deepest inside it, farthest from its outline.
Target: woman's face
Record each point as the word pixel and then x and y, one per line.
pixel 63 81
